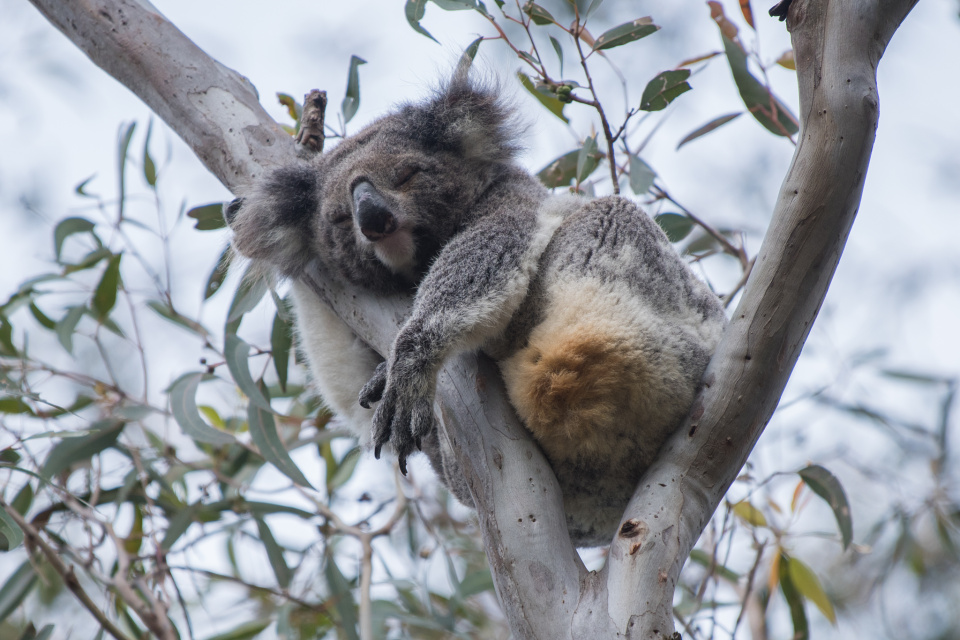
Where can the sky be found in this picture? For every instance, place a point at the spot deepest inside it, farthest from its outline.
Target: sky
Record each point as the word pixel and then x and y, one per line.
pixel 897 288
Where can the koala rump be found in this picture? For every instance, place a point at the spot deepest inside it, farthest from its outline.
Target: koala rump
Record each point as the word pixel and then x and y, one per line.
pixel 601 331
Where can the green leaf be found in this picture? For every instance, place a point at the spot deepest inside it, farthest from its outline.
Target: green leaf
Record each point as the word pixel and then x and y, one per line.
pixel 676 226
pixel 88 261
pixel 468 56
pixel 538 14
pixel 250 291
pixel 68 324
pixel 122 146
pixel 66 228
pixel 12 404
pixel 593 6
pixel 45 321
pixel 707 128
pixel 218 275
pixel 167 312
pixel 263 432
pixel 551 102
pixel 340 590
pixel 105 295
pixel 475 582
pixel 704 559
pixel 208 216
pixel 641 176
pixel 274 554
pixel 244 631
pixel 351 101
pixel 749 514
pixel 807 583
pixel 24 498
pixel 794 600
pixel 7 347
pixel 80 189
pixel 559 50
pixel 102 435
pixel 585 159
pixel 456 5
pixel 16 589
pixel 664 89
pixel 414 10
pixel 294 108
pixel 765 107
pixel 281 341
pixel 237 352
pixel 563 170
pixel 11 536
pixel 149 167
pixel 183 405
pixel 344 470
pixel 627 32
pixel 825 484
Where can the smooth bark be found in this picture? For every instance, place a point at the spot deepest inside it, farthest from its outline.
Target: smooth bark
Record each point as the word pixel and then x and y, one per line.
pixel 543 587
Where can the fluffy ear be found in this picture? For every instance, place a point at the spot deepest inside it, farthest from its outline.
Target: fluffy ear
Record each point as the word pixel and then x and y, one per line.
pixel 466 119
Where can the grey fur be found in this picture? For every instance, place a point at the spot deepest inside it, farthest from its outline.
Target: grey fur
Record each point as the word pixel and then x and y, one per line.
pixel 428 199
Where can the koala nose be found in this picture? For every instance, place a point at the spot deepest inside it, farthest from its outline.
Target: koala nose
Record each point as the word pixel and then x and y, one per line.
pixel 373 216
pixel 231 209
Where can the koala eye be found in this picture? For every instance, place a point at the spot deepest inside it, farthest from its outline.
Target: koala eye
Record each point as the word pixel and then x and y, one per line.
pixel 339 216
pixel 405 176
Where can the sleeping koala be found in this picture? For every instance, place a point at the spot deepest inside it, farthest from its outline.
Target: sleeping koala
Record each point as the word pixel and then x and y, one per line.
pixel 601 331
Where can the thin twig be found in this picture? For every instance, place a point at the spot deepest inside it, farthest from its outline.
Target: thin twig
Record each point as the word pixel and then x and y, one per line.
pixel 66 572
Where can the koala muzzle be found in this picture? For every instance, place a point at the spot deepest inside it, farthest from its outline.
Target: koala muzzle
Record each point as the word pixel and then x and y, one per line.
pixel 371 212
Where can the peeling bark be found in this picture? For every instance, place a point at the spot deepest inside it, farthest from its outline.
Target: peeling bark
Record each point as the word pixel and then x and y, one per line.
pixel 542 585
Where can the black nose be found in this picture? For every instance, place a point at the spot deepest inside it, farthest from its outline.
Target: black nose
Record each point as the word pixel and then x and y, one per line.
pixel 373 215
pixel 231 209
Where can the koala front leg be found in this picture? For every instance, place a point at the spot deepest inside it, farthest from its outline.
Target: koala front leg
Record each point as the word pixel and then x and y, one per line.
pixel 469 295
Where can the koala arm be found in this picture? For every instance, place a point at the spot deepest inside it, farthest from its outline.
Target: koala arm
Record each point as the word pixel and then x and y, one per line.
pixel 469 295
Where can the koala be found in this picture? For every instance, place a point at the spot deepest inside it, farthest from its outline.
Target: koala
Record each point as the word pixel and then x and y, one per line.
pixel 599 328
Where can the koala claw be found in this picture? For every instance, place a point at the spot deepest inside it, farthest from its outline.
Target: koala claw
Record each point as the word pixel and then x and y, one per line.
pixel 373 390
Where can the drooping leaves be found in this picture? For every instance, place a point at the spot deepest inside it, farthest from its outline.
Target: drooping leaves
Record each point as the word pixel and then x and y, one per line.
pixel 707 128
pixel 351 101
pixel 105 295
pixel 825 484
pixel 250 291
pixel 274 554
pixel 263 432
pixel 66 228
pixel 281 342
pixel 183 405
pixel 807 583
pixel 237 353
pixel 414 11
pixel 538 14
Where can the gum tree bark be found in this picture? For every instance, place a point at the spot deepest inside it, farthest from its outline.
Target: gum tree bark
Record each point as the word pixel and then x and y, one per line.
pixel 543 587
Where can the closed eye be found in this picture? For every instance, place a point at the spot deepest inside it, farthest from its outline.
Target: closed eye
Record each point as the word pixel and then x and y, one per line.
pixel 406 176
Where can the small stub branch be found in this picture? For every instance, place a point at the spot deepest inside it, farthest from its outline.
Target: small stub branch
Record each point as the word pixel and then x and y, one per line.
pixel 311 134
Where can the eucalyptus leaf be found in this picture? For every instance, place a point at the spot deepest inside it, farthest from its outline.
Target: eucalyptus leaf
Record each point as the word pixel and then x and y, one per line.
pixel 664 89
pixel 208 216
pixel 707 128
pixel 66 228
pixel 825 484
pixel 625 33
pixel 351 101
pixel 105 295
pixel 760 102
pixel 676 226
pixel 183 405
pixel 102 435
pixel 263 432
pixel 414 11
pixel 641 176
pixel 274 554
pixel 551 102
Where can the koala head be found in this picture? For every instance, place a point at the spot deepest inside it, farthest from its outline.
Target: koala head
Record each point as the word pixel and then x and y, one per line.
pixel 379 206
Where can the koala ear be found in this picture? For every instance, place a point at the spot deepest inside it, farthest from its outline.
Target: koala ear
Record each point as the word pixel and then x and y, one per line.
pixel 467 119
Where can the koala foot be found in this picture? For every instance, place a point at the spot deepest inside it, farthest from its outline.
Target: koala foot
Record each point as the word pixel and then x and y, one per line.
pixel 403 418
pixel 373 390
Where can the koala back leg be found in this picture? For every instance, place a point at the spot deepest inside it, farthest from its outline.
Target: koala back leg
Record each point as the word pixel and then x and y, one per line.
pixel 626 331
pixel 340 363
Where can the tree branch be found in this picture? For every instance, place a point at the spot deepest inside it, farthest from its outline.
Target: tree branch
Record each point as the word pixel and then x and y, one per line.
pixel 543 588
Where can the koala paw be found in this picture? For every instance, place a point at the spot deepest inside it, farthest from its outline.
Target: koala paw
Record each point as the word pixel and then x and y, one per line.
pixel 403 418
pixel 373 390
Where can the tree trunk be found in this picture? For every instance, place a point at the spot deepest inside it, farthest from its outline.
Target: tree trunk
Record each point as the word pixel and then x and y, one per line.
pixel 542 585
